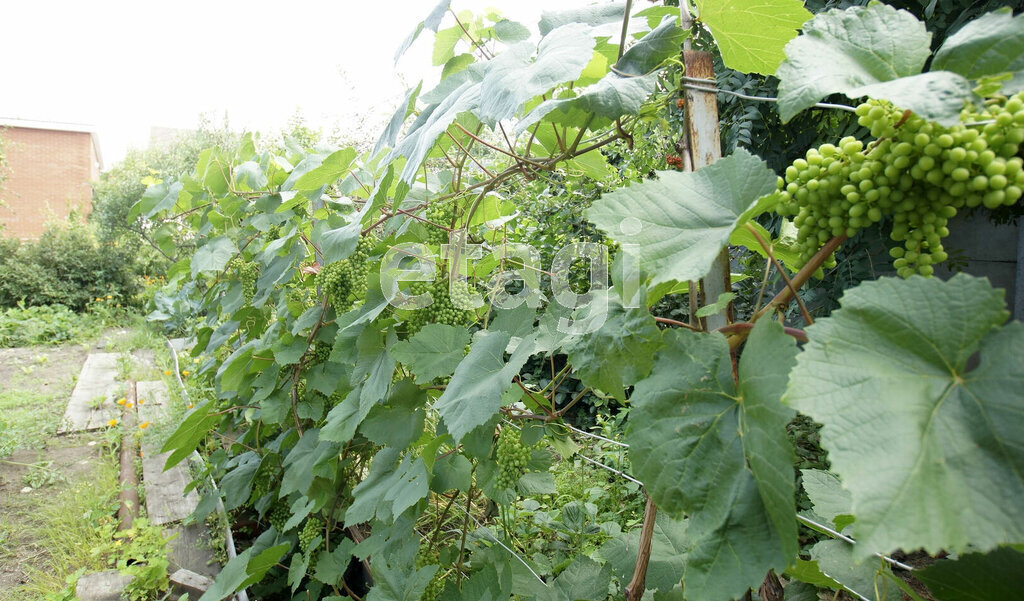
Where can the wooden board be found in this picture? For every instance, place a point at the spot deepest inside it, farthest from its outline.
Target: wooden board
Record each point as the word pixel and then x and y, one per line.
pixel 190 550
pixel 101 586
pixel 166 501
pixel 152 399
pixel 97 380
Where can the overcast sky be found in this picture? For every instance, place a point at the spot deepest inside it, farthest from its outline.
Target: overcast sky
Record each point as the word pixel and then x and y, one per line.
pixel 124 66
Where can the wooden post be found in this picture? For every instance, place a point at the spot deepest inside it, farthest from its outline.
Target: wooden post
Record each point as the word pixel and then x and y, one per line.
pixel 705 148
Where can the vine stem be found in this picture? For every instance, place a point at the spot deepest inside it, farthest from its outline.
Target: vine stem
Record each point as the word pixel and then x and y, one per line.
pixel 635 588
pixel 745 327
pixel 674 322
pixel 782 272
pixel 786 294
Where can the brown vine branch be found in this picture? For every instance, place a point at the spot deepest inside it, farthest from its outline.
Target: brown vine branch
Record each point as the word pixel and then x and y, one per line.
pixel 782 272
pixel 786 294
pixel 635 588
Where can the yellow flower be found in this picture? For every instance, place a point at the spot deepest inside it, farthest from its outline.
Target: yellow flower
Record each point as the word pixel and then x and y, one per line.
pixel 141 401
pixel 99 300
pixel 143 425
pixel 167 372
pixel 110 296
pixel 112 423
pixel 122 401
pixel 130 405
pixel 190 405
pixel 186 372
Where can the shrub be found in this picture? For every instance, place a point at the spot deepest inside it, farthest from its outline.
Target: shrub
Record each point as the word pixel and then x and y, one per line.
pixel 66 266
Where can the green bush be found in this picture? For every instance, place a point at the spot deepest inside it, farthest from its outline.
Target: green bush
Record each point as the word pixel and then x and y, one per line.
pixel 65 266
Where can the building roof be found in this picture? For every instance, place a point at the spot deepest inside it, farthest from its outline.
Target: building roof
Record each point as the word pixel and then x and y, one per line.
pixel 58 126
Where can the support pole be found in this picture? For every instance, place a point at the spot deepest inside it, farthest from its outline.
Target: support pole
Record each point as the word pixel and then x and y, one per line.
pixel 705 148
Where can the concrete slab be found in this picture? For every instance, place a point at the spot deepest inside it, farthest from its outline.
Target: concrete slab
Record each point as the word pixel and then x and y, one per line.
pixel 190 550
pixel 188 582
pixel 166 501
pixel 152 399
pixel 181 344
pixel 92 401
pixel 101 586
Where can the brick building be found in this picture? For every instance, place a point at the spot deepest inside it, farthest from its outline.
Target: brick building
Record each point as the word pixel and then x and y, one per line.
pixel 50 167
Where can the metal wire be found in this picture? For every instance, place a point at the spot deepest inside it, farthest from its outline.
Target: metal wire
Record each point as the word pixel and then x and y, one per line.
pixel 597 436
pixel 809 522
pixel 817 105
pixel 501 544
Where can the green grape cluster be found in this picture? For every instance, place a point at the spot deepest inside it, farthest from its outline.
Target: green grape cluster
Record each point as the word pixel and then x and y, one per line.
pixel 321 352
pixel 426 557
pixel 440 213
pixel 279 515
pixel 512 456
pixel 344 281
pixel 314 527
pixel 248 273
pixel 916 172
pixel 263 482
pixel 441 310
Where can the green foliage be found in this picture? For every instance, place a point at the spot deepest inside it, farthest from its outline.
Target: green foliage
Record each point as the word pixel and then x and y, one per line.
pixel 66 266
pixel 923 412
pixel 363 429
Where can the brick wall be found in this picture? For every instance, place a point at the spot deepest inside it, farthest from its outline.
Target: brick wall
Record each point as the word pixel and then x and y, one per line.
pixel 48 175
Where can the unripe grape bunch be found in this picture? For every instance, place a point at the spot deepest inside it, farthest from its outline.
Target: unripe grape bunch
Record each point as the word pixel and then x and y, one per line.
pixel 248 273
pixel 344 281
pixel 916 172
pixel 443 214
pixel 313 528
pixel 426 557
pixel 440 310
pixel 512 456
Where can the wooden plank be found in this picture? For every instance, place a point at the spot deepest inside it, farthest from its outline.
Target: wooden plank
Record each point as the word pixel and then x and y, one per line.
pixel 190 550
pixel 180 344
pixel 153 400
pixel 101 586
pixel 166 500
pixel 705 148
pixel 187 582
pixel 97 380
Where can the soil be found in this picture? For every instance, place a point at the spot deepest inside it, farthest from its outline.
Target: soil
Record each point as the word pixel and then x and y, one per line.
pixel 73 458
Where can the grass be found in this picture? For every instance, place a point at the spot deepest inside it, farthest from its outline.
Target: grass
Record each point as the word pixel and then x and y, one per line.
pixel 29 418
pixel 69 529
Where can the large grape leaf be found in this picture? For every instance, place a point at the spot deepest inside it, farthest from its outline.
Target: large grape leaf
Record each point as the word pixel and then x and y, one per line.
pixel 434 352
pixel 596 105
pixel 664 41
pixel 677 224
pixel 474 393
pixel 513 77
pixel 619 353
pixel 990 44
pixel 751 34
pixel 835 558
pixel 213 255
pixel 930 445
pixel 668 553
pixel 716 450
pixel 865 51
pixel 598 14
pixel 432 122
pixel 993 576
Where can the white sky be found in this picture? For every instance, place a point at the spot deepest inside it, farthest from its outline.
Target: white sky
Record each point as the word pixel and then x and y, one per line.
pixel 124 66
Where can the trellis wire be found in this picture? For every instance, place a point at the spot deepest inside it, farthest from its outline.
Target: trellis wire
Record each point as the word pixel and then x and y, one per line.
pixel 717 90
pixel 501 544
pixel 809 522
